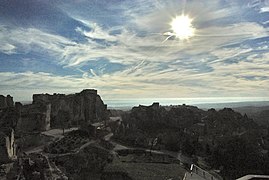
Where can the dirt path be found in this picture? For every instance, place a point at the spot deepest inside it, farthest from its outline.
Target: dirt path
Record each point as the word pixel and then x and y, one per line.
pixel 57 133
pixel 177 155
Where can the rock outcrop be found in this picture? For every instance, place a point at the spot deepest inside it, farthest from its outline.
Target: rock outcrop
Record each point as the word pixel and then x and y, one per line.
pixel 81 109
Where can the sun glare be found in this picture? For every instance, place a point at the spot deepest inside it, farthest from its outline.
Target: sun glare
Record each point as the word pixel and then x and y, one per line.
pixel 182 27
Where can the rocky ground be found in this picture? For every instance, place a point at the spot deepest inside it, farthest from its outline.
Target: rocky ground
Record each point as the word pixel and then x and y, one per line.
pixel 76 156
pixel 35 166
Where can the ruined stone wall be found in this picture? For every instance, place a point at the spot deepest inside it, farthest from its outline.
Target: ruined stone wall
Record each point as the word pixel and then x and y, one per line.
pixel 8 117
pixel 89 106
pixel 34 117
pixel 25 118
pixel 79 109
pixel 101 109
pixel 6 101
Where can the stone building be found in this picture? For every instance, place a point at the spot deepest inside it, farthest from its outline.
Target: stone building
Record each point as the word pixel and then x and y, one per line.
pixel 7 145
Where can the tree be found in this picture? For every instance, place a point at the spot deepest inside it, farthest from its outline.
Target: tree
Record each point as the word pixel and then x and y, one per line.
pixel 238 157
pixel 187 148
pixel 64 119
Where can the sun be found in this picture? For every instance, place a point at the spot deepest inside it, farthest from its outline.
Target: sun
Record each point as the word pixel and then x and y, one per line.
pixel 182 27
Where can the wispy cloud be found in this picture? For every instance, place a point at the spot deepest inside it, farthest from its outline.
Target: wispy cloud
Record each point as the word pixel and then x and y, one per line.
pixel 96 31
pixel 264 9
pixel 228 54
pixel 7 48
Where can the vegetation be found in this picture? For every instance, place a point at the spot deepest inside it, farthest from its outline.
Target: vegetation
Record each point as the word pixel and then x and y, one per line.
pixel 145 171
pixel 237 157
pixel 227 140
pixel 71 142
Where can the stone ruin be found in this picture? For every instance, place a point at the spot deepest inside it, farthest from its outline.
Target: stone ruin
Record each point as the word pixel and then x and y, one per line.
pixel 35 166
pixel 53 111
pixel 33 117
pixel 6 101
pixel 80 109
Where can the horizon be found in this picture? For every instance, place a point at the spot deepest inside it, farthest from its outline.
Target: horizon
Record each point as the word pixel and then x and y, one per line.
pixel 197 101
pixel 202 103
pixel 135 49
pixel 202 100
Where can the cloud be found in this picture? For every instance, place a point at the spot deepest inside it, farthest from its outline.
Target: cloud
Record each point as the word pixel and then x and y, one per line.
pixel 7 48
pixel 131 59
pixel 264 9
pixel 130 47
pixel 31 39
pixel 96 32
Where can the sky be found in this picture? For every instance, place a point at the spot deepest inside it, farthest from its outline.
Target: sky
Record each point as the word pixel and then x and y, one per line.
pixel 119 47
